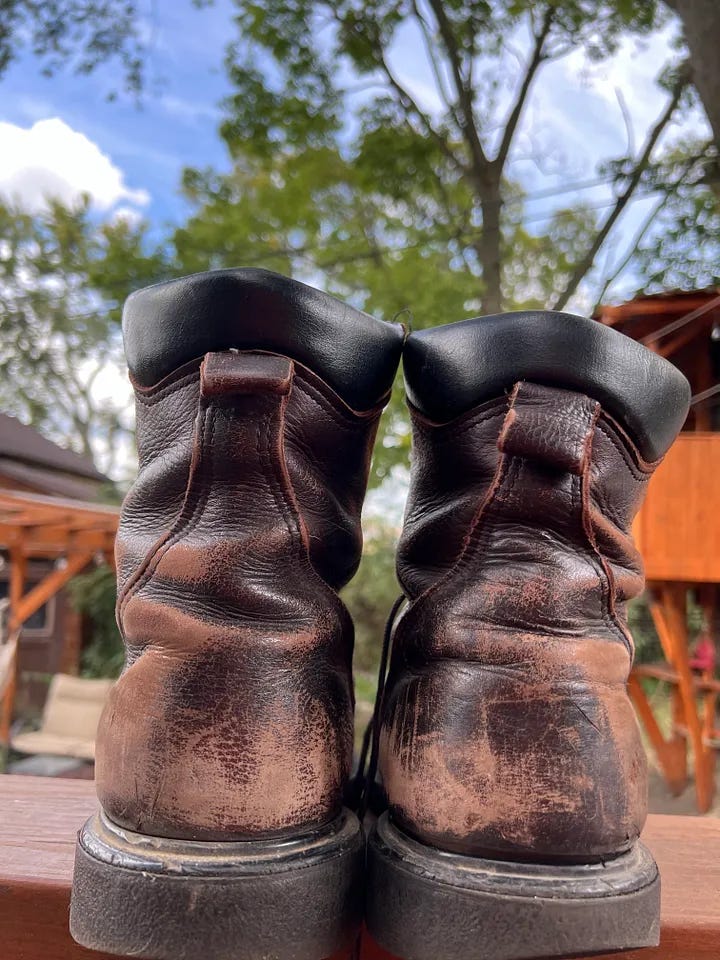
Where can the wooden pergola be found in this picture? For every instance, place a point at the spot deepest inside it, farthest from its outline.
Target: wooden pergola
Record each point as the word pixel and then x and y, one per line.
pixel 678 534
pixel 71 533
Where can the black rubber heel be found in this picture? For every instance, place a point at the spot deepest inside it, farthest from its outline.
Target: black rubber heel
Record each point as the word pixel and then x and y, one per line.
pixel 292 899
pixel 423 903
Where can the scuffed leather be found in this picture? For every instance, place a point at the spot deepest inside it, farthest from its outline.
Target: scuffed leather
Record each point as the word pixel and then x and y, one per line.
pixel 506 727
pixel 451 369
pixel 247 308
pixel 233 718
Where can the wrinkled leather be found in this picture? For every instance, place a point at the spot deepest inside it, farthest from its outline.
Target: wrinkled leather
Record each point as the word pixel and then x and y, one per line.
pixel 233 718
pixel 170 324
pixel 451 369
pixel 506 727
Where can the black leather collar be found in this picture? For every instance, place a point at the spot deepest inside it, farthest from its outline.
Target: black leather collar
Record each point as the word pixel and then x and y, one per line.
pixel 450 369
pixel 169 324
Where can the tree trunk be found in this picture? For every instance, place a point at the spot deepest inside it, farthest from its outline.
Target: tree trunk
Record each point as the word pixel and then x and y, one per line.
pixel 488 248
pixel 701 24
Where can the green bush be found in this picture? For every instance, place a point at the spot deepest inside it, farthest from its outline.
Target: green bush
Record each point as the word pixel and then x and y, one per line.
pixel 370 594
pixel 647 643
pixel 93 594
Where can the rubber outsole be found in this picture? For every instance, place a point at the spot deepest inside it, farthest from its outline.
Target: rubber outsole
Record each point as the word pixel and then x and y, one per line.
pixel 423 903
pixel 160 899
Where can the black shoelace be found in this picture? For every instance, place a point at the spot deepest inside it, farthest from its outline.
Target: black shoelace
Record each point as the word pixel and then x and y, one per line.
pixel 365 779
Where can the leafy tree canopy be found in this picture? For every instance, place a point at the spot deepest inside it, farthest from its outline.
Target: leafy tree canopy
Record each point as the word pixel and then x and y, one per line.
pixel 63 278
pixel 78 33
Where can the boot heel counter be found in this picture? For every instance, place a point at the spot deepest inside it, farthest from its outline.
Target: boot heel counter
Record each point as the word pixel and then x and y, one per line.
pixel 233 717
pixel 486 761
pixel 509 730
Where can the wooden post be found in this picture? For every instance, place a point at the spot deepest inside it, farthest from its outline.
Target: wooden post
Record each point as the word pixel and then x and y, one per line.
pixel 18 574
pixel 676 753
pixel 673 600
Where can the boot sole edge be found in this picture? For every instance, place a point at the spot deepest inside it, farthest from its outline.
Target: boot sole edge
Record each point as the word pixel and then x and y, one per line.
pixel 423 903
pixel 297 899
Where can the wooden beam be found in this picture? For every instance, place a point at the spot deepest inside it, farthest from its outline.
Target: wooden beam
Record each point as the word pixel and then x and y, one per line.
pixel 48 587
pixel 18 574
pixel 56 540
pixel 48 526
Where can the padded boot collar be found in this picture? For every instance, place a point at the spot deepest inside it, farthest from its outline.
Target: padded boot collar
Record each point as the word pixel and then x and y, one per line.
pixel 450 369
pixel 169 324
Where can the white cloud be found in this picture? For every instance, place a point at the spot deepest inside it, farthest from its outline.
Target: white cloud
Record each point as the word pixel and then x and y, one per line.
pixel 128 215
pixel 50 159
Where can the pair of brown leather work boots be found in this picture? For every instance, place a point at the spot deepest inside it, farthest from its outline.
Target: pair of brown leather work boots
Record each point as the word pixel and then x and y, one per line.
pixel 509 757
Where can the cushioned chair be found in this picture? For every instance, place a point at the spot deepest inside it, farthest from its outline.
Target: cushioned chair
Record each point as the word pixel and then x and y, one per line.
pixel 70 719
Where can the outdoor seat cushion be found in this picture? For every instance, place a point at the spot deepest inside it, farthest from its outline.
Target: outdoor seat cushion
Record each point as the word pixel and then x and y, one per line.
pixel 70 718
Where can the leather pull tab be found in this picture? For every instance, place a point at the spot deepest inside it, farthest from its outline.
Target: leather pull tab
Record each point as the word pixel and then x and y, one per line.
pixel 549 425
pixel 231 373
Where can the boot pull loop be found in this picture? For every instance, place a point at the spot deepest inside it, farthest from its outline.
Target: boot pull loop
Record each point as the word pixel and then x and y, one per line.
pixel 232 372
pixel 549 425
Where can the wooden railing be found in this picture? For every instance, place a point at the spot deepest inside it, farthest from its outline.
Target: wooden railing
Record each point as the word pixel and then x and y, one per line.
pixel 39 819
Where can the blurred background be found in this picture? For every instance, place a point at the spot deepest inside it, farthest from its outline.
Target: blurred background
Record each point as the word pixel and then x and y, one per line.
pixel 427 161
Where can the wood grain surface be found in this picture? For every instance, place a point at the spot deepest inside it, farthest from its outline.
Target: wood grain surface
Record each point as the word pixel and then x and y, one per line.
pixel 40 817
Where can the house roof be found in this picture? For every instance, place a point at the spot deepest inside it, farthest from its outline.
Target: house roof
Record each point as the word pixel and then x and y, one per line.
pixel 22 443
pixel 667 322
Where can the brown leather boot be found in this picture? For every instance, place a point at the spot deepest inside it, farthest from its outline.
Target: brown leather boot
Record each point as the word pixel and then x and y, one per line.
pixel 509 750
pixel 224 750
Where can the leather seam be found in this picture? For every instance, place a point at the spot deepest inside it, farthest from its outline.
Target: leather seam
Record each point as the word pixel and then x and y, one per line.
pixel 637 474
pixel 286 499
pixel 348 420
pixel 455 432
pixel 291 517
pixel 478 524
pixel 605 574
pixel 150 399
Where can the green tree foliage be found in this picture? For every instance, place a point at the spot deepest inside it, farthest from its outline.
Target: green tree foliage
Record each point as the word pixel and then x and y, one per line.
pixel 80 34
pixel 371 593
pixel 341 176
pixel 93 594
pixel 339 169
pixel 63 277
pixel 683 247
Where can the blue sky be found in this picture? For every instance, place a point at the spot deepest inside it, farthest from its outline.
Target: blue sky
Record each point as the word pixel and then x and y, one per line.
pixel 176 123
pixel 61 135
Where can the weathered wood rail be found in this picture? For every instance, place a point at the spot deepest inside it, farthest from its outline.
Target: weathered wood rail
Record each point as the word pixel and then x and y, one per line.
pixel 39 819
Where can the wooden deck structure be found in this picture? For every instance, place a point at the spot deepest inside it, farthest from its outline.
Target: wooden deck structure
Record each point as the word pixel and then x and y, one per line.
pixel 71 533
pixel 41 819
pixel 678 534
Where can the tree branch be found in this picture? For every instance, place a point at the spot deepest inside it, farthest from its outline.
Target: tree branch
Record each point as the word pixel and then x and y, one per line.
pixel 411 106
pixel 430 48
pixel 464 93
pixel 585 264
pixel 631 251
pixel 536 59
